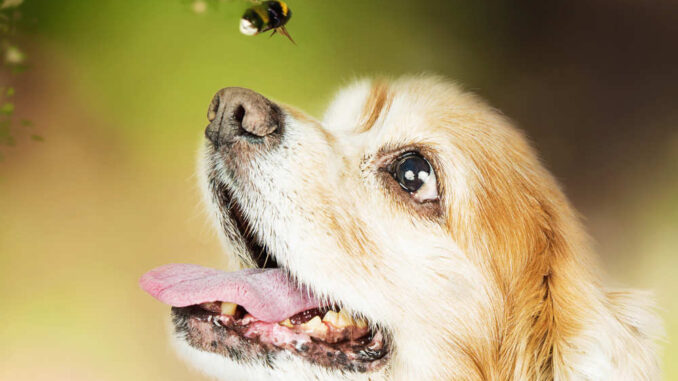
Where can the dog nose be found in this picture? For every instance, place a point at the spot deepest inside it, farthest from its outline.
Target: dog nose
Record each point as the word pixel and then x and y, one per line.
pixel 236 111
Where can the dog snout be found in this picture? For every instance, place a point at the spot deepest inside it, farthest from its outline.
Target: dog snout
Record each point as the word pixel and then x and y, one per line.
pixel 238 112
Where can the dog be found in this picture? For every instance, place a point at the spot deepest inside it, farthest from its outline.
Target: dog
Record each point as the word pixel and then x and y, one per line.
pixel 412 234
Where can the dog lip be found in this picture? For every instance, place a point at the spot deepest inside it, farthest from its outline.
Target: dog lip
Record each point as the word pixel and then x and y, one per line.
pixel 260 341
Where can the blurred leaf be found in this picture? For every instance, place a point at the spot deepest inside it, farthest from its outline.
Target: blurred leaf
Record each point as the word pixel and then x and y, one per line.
pixel 37 138
pixel 17 69
pixel 199 6
pixel 10 92
pixel 11 3
pixel 14 56
pixel 26 123
pixel 7 108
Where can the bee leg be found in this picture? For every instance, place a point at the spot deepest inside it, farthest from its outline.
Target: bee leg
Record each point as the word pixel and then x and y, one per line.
pixel 271 35
pixel 284 32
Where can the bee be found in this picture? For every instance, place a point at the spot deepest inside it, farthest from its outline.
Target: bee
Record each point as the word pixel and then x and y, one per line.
pixel 265 16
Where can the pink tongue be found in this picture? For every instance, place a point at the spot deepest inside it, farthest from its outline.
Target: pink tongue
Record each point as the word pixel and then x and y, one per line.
pixel 267 294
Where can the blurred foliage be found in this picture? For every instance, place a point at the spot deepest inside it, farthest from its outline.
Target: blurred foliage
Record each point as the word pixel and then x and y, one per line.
pixel 201 6
pixel 13 62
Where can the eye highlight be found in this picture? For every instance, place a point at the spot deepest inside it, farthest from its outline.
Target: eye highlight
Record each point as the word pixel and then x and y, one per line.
pixel 416 176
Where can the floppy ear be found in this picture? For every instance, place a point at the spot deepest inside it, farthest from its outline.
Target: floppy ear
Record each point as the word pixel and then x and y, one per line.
pixel 558 321
pixel 564 325
pixel 581 330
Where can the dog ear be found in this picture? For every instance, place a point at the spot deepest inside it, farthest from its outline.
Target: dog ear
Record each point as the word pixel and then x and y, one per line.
pixel 549 299
pixel 564 325
pixel 581 330
pixel 559 322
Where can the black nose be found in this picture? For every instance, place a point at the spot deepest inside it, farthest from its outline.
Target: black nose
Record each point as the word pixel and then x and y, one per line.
pixel 236 111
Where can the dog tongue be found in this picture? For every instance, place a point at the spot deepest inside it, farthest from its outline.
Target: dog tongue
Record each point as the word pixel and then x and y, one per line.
pixel 267 294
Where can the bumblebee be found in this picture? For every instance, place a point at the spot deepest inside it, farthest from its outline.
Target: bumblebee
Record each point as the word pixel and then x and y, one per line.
pixel 265 16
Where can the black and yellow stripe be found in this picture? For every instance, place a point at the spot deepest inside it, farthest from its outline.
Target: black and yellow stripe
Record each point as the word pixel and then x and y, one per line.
pixel 268 15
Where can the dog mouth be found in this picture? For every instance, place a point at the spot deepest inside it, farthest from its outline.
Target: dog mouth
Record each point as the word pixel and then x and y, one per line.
pixel 260 314
pixel 245 338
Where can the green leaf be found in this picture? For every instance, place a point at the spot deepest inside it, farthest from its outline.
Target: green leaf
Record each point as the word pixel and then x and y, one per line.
pixel 37 138
pixel 26 123
pixel 10 92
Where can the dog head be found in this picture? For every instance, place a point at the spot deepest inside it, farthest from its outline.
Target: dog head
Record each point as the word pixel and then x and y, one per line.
pixel 418 209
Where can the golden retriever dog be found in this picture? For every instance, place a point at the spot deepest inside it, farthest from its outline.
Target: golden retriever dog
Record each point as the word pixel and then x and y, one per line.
pixel 412 234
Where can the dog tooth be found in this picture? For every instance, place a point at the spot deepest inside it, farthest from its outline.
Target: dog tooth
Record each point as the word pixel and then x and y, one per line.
pixel 315 322
pixel 286 323
pixel 331 317
pixel 344 319
pixel 228 308
pixel 315 325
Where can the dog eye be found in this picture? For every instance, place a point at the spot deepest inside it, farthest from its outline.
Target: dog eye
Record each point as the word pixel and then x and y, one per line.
pixel 416 176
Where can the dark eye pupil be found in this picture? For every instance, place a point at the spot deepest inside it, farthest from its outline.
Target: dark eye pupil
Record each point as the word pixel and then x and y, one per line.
pixel 411 172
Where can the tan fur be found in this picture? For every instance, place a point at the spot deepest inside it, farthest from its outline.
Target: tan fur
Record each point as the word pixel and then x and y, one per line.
pixel 499 283
pixel 378 103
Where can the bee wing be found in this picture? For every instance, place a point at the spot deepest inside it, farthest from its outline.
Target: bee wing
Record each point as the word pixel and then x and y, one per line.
pixel 284 32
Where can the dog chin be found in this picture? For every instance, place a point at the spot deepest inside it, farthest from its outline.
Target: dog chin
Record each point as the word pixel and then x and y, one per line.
pixel 283 368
